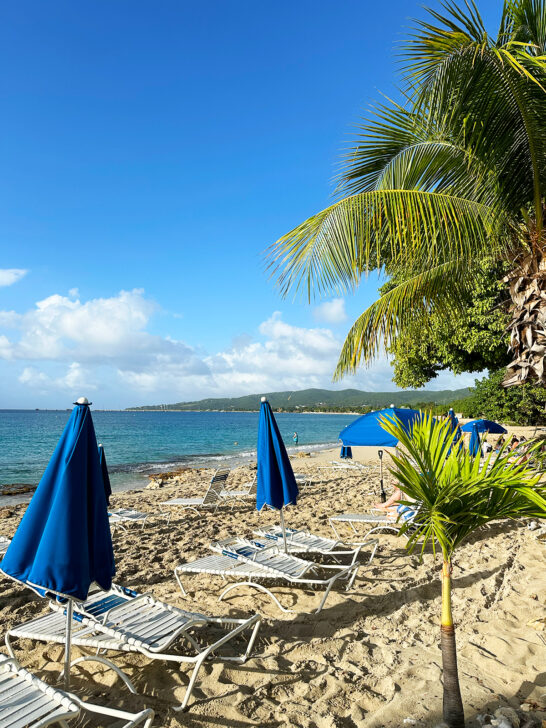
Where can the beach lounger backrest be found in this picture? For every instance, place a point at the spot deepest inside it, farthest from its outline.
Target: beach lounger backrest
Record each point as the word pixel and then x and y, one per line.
pixel 27 701
pixel 253 488
pixel 4 543
pixel 217 484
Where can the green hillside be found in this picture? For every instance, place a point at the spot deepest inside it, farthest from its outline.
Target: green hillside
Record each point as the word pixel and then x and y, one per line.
pixel 318 399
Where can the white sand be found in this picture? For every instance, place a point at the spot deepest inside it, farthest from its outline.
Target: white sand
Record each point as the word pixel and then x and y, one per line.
pixel 370 658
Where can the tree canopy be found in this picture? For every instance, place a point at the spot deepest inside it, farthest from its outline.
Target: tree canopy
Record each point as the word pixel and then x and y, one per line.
pixel 437 185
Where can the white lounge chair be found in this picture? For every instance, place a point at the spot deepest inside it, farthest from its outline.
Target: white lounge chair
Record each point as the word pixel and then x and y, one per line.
pixel 215 495
pixel 28 702
pixel 299 542
pixel 250 564
pixel 248 491
pixel 4 543
pixel 303 478
pixel 123 517
pixel 385 521
pixel 124 621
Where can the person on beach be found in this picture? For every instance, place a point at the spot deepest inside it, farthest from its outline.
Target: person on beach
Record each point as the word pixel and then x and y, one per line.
pixel 514 443
pixel 500 442
pixel 295 438
pixel 394 508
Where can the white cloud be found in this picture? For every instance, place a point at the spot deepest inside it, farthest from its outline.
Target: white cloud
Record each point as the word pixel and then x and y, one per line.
pixel 65 347
pixel 9 276
pixel 290 357
pixel 332 312
pixel 74 379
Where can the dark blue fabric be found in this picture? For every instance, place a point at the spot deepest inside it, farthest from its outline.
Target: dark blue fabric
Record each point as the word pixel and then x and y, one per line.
pixel 485 426
pixel 276 482
pixel 105 476
pixel 63 543
pixel 346 452
pixel 474 446
pixel 454 422
pixel 367 430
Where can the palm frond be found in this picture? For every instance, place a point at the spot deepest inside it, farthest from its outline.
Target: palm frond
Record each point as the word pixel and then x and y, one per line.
pixel 440 289
pixel 400 149
pixel 330 251
pixel 456 492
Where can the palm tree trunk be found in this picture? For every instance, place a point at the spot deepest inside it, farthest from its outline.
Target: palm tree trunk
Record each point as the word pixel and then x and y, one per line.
pixel 453 704
pixel 527 284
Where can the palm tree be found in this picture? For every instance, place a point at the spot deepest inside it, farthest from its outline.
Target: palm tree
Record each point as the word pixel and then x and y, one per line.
pixel 458 495
pixel 437 184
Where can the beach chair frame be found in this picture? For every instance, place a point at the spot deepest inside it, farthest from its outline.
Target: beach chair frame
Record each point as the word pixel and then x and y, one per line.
pixel 212 498
pixel 241 495
pixel 128 626
pixel 380 523
pixel 32 703
pixel 4 543
pixel 305 542
pixel 228 562
pixel 123 517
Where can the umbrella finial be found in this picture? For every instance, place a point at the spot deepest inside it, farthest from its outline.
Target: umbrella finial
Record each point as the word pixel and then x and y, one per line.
pixel 83 400
pixel 264 399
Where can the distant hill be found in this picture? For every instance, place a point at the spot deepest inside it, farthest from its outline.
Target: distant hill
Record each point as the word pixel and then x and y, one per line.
pixel 321 399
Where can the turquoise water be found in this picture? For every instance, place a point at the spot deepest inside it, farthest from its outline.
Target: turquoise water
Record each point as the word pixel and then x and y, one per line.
pixel 139 443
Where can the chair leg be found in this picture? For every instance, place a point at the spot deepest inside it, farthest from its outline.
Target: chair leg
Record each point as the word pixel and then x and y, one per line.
pixel 179 581
pixel 261 588
pixel 104 661
pixel 191 684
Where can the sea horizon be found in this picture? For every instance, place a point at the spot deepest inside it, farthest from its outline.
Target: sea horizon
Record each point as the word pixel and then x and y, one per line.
pixel 138 443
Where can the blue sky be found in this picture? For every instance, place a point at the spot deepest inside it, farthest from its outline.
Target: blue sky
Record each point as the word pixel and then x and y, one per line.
pixel 151 151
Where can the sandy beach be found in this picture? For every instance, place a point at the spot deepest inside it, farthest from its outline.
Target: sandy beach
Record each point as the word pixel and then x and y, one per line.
pixel 371 657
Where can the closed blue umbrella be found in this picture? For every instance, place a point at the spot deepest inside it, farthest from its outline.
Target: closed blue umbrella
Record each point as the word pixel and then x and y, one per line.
pixel 105 476
pixel 346 452
pixel 276 482
pixel 63 543
pixel 474 446
pixel 454 425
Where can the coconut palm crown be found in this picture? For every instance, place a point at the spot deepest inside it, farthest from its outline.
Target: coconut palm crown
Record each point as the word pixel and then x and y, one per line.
pixel 457 494
pixel 436 184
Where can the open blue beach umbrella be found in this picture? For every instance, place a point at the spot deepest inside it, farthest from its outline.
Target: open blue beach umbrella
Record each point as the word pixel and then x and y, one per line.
pixel 276 482
pixel 366 430
pixel 105 476
pixel 63 543
pixel 346 452
pixel 474 446
pixel 484 426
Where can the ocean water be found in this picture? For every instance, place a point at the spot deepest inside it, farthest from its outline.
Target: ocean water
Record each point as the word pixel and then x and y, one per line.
pixel 139 443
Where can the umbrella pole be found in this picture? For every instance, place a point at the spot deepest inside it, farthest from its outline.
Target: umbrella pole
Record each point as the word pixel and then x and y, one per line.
pixel 283 532
pixel 69 608
pixel 383 495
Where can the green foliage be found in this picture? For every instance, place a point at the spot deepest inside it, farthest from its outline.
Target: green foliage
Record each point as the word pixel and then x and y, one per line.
pixel 523 405
pixel 470 339
pixel 457 492
pixel 434 189
pixel 316 400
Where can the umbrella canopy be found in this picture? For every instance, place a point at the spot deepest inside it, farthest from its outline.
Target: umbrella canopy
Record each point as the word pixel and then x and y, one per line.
pixel 367 430
pixel 63 543
pixel 276 482
pixel 484 426
pixel 474 446
pixel 105 476
pixel 346 452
